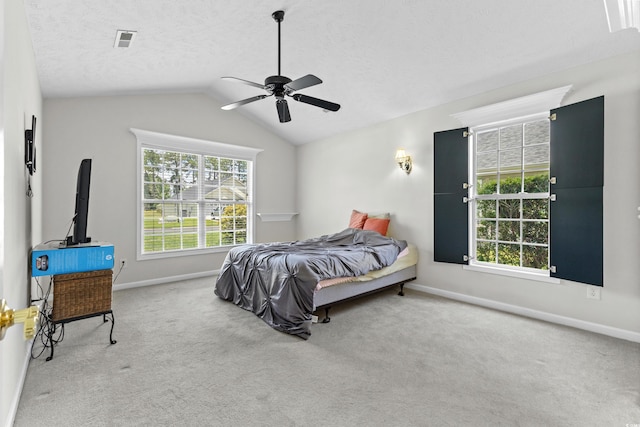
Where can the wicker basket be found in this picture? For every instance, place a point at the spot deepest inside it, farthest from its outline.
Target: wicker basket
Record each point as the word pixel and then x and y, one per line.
pixel 81 294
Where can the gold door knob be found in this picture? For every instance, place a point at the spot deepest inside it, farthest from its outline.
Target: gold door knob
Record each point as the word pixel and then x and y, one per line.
pixel 28 316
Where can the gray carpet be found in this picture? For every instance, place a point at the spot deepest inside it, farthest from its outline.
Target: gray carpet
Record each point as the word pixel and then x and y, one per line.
pixel 185 357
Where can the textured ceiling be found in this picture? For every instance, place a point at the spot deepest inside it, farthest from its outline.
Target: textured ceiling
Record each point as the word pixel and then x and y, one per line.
pixel 378 59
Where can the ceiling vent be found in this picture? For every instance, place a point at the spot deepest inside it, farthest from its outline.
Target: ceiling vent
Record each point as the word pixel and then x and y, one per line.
pixel 124 38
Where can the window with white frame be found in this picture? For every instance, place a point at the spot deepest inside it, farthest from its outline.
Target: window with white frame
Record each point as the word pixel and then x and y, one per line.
pixel 510 215
pixel 194 195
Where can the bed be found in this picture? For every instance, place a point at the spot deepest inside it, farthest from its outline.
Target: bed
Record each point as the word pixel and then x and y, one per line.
pixel 284 283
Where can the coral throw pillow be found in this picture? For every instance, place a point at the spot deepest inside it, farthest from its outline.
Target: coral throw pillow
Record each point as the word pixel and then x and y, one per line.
pixel 377 224
pixel 357 219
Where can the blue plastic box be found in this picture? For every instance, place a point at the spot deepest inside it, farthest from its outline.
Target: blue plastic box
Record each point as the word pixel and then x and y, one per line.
pixel 51 258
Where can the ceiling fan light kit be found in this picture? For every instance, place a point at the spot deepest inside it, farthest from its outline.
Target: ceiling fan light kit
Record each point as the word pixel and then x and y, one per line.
pixel 281 86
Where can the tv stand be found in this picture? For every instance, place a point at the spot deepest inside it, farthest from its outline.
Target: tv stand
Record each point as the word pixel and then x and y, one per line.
pixel 79 296
pixel 69 241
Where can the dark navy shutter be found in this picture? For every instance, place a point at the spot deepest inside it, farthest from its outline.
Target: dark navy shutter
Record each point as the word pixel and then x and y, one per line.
pixel 577 168
pixel 451 214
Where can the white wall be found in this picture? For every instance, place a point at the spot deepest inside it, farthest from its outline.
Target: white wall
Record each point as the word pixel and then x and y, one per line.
pixel 98 128
pixel 357 171
pixel 21 224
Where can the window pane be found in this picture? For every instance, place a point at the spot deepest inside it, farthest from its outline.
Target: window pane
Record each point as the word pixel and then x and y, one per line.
pixel 511 160
pixel 509 208
pixel 212 211
pixel 170 163
pixel 241 166
pixel 189 161
pixel 535 232
pixel 211 163
pixel 189 215
pixel 538 183
pixel 241 181
pixel 487 184
pixel 189 240
pixel 536 157
pixel 510 184
pixel 535 209
pixel 152 174
pixel 486 208
pixel 486 252
pixel 213 239
pixel 226 165
pixel 511 137
pixel 170 215
pixel 211 192
pixel 189 177
pixel 227 238
pixel 487 162
pixel 487 141
pixel 152 219
pixel 172 191
pixel 536 132
pixel 172 242
pixel 535 257
pixel 508 254
pixel 509 231
pixel 152 157
pixel 486 230
pixel 153 191
pixel 487 176
pixel 240 222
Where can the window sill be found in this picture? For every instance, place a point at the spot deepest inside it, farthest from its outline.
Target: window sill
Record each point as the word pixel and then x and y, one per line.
pixel 539 277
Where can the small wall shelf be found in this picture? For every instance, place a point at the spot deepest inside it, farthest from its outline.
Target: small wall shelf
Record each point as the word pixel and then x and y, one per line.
pixel 269 217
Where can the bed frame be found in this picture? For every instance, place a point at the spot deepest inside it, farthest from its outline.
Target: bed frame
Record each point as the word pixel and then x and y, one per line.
pixel 326 297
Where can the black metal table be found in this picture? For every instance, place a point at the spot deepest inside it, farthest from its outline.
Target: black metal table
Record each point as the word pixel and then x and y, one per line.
pixel 61 322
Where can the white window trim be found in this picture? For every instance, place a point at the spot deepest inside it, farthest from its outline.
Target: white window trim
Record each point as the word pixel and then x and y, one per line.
pixel 149 139
pixel 517 107
pixel 500 269
pixel 512 110
pixel 542 276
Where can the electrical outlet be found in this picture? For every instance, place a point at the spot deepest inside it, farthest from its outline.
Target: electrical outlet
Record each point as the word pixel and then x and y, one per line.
pixel 593 292
pixel 123 263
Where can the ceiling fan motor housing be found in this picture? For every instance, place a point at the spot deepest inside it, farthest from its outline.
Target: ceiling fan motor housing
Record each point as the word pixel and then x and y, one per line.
pixel 275 84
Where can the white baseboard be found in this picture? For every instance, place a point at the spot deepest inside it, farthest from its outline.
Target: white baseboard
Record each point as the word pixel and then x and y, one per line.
pixel 169 279
pixel 15 401
pixel 535 314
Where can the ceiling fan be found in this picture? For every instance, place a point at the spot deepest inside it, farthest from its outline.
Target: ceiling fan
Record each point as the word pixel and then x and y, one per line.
pixel 281 86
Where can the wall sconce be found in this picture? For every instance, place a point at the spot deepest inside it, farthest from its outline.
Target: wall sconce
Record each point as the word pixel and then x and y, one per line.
pixel 403 160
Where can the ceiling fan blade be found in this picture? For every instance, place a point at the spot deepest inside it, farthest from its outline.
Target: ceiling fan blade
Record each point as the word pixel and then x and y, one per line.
pixel 243 102
pixel 247 82
pixel 303 82
pixel 317 102
pixel 283 110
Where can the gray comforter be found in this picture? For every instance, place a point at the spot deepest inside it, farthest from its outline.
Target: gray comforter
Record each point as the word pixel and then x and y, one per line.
pixel 276 281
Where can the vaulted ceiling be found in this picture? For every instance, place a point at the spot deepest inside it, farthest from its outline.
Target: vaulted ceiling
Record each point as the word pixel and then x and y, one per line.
pixel 378 59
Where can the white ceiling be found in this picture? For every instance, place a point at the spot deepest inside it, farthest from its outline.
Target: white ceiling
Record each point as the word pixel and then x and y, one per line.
pixel 379 59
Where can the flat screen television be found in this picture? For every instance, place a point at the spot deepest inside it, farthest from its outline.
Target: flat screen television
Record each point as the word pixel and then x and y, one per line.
pixel 82 205
pixel 30 147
